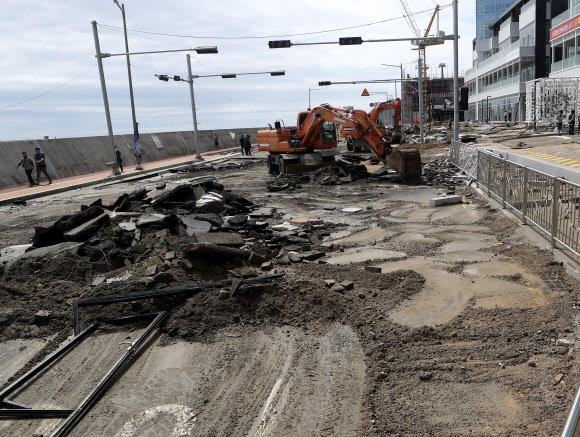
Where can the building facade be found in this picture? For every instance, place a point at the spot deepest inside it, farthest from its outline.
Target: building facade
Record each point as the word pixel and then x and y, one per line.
pixel 565 42
pixel 517 51
pixel 486 12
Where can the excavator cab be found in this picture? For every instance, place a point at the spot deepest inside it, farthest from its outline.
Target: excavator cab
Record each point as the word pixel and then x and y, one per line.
pixel 328 133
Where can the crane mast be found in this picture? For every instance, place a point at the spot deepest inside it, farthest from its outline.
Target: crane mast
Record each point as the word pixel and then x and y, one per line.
pixel 421 44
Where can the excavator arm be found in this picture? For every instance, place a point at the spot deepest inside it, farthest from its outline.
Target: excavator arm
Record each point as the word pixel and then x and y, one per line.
pixel 407 163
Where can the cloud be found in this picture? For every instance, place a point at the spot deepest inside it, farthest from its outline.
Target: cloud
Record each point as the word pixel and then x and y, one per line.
pixel 46 44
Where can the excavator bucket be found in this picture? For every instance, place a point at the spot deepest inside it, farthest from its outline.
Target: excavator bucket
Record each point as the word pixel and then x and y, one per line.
pixel 407 163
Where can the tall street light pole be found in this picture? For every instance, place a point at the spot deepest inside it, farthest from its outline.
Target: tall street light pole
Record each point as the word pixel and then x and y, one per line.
pixel 190 78
pixel 401 67
pixel 455 71
pixel 105 98
pixel 136 147
pixel 310 89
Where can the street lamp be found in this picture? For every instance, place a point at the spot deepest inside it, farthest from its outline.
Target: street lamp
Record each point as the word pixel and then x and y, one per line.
pixel 311 89
pixel 189 80
pixel 100 55
pixel 136 147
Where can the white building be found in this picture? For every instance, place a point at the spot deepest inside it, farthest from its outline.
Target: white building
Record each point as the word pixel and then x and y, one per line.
pixel 517 52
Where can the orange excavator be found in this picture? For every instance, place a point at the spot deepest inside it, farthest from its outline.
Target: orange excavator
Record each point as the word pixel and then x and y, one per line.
pixel 312 143
pixel 356 144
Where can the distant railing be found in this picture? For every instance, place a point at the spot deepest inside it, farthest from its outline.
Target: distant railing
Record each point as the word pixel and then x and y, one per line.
pixel 549 203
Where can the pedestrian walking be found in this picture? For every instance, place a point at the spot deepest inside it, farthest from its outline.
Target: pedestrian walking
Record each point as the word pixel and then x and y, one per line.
pixel 571 122
pixel 216 141
pixel 28 165
pixel 559 120
pixel 40 162
pixel 505 116
pixel 243 143
pixel 509 115
pixel 119 159
pixel 248 146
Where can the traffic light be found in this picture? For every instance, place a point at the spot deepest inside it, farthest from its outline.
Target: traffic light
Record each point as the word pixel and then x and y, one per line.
pixel 176 78
pixel 324 83
pixel 163 77
pixel 280 44
pixel 464 101
pixel 354 40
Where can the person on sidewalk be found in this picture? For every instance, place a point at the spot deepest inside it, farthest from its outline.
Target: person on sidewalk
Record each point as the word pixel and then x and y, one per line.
pixel 559 120
pixel 119 159
pixel 505 116
pixel 248 146
pixel 243 143
pixel 28 165
pixel 40 161
pixel 571 122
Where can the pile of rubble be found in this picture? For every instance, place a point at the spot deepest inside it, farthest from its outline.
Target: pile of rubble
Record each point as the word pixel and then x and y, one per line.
pixel 161 234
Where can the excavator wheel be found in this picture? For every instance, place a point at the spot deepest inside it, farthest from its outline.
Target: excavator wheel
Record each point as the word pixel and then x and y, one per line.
pixel 407 163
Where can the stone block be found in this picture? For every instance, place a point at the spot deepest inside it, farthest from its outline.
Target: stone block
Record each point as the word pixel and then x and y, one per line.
pixel 373 269
pixel 445 200
pixel 348 285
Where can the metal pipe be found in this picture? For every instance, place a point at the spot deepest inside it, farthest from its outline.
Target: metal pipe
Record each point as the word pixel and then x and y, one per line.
pixel 105 98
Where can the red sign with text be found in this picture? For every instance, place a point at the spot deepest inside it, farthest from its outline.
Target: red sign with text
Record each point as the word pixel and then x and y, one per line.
pixel 565 27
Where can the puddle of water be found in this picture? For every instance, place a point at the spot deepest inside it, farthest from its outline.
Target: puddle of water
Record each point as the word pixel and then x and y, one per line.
pixel 413 237
pixel 359 255
pixel 410 215
pixel 466 241
pixel 419 195
pixel 456 214
pixel 365 236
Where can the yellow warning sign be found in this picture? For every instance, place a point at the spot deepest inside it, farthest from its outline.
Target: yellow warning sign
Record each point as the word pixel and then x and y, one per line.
pixel 365 93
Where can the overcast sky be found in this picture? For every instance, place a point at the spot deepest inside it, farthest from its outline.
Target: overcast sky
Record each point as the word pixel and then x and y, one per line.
pixel 50 80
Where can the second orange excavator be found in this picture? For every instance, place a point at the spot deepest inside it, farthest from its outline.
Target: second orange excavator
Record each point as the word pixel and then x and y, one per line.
pixel 357 144
pixel 313 142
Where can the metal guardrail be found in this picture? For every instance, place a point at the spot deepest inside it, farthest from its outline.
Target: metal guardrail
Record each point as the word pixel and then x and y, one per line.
pixel 549 203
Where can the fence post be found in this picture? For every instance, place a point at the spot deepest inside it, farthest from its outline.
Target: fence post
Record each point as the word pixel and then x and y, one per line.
pixel 504 183
pixel 554 226
pixel 489 175
pixel 525 206
pixel 477 172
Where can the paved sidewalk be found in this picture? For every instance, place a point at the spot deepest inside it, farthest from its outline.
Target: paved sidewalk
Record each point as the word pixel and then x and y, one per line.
pixel 25 192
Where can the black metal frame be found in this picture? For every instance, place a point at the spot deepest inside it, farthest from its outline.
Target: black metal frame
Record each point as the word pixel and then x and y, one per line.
pixel 12 410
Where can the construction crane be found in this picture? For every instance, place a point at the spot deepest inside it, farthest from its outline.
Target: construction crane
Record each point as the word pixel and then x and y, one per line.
pixel 421 44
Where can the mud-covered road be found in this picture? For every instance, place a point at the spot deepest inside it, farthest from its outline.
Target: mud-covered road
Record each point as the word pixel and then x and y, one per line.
pixel 469 328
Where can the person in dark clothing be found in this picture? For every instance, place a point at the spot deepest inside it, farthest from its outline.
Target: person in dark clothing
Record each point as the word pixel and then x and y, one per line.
pixel 28 165
pixel 571 122
pixel 216 141
pixel 40 161
pixel 248 146
pixel 119 159
pixel 243 143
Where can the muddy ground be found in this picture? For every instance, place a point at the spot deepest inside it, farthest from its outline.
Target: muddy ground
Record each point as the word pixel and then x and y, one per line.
pixel 469 328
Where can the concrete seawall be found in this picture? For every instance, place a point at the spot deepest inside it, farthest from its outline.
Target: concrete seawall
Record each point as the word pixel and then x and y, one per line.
pixel 78 156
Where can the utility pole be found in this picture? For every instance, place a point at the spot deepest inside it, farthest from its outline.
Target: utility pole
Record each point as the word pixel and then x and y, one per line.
pixel 105 98
pixel 190 80
pixel 136 147
pixel 455 71
pixel 420 92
